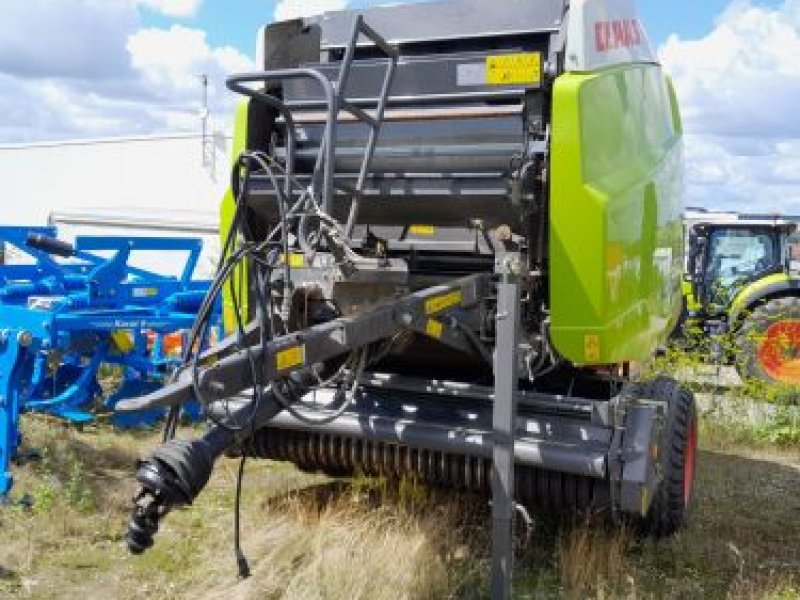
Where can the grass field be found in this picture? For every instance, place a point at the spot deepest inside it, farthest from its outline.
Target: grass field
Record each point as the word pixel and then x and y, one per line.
pixel 312 537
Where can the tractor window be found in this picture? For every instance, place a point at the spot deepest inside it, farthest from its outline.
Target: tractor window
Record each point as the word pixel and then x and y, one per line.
pixel 735 257
pixel 793 254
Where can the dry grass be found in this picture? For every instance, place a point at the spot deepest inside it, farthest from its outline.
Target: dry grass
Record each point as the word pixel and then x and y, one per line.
pixel 311 537
pixel 307 536
pixel 345 551
pixel 592 562
pixel 360 539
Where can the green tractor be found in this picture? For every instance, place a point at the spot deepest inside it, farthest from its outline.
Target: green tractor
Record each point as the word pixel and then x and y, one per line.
pixel 742 290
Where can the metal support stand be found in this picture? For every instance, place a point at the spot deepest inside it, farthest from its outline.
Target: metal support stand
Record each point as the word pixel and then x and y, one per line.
pixel 11 357
pixel 503 423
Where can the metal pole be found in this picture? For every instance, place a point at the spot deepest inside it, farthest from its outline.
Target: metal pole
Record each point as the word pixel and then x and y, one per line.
pixel 123 221
pixel 503 423
pixel 204 119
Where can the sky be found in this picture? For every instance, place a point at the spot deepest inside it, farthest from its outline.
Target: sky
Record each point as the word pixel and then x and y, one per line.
pixel 94 68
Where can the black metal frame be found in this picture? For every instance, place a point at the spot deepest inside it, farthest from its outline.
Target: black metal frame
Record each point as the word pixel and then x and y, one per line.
pixel 335 102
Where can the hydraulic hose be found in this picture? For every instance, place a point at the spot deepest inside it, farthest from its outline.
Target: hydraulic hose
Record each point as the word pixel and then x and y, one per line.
pixel 51 245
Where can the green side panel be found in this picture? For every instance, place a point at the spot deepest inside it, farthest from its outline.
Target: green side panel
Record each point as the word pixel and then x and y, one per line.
pixel 756 290
pixel 616 238
pixel 687 289
pixel 227 209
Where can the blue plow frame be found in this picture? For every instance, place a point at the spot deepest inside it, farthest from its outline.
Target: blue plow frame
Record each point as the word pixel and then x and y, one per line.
pixel 61 320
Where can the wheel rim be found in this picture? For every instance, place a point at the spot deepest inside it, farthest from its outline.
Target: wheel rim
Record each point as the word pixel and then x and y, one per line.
pixel 779 351
pixel 689 460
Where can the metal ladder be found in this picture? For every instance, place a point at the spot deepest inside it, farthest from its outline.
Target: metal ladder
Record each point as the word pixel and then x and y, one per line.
pixel 323 176
pixel 374 122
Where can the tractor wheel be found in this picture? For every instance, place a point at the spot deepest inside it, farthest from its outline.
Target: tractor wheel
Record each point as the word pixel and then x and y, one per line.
pixel 678 456
pixel 768 343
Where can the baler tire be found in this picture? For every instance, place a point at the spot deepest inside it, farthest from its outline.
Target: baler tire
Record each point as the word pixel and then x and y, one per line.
pixel 672 501
pixel 773 322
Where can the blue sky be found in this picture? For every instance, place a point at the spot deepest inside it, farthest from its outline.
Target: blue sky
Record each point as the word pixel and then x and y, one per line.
pixel 231 22
pixel 121 67
pixel 690 19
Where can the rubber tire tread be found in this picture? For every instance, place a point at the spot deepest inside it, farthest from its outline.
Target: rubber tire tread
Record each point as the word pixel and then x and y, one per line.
pixel 755 326
pixel 668 510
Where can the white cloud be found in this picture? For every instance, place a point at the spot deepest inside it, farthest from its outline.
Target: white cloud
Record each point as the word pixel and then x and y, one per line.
pixel 59 38
pixel 172 8
pixel 171 60
pixel 738 89
pixel 292 9
pixel 87 68
pixel 100 73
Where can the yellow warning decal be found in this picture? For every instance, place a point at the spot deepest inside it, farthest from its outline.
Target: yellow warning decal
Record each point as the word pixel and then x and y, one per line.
pixel 427 230
pixel 434 328
pixel 228 317
pixel 443 302
pixel 293 356
pixel 123 341
pixel 591 348
pixel 296 260
pixel 514 69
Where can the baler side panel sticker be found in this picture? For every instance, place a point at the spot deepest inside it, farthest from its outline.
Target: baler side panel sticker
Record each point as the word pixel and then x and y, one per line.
pixel 591 348
pixel 514 69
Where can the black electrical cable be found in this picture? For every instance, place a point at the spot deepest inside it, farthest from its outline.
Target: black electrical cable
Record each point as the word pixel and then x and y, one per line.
pixel 229 260
pixel 357 369
pixel 264 312
pixel 240 184
pixel 263 276
pixel 201 325
pixel 241 559
pixel 260 259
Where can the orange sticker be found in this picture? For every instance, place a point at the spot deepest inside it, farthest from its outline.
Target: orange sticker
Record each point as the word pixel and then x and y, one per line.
pixel 591 348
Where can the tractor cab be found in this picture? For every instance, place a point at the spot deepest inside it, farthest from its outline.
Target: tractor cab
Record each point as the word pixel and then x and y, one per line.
pixel 726 258
pixel 743 285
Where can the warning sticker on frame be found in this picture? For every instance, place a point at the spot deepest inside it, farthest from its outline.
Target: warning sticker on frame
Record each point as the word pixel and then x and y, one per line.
pixel 439 303
pixel 503 69
pixel 291 357
pixel 434 328
pixel 514 69
pixel 296 260
pixel 424 230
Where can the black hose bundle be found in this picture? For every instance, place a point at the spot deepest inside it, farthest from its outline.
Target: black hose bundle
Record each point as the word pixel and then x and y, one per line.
pixel 178 470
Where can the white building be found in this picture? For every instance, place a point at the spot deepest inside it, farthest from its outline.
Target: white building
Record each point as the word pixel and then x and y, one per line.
pixel 169 177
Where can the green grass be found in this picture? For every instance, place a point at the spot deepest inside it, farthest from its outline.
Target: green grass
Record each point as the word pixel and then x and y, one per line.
pixel 309 536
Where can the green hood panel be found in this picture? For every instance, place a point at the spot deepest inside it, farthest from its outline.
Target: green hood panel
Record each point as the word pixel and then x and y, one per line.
pixel 227 210
pixel 616 241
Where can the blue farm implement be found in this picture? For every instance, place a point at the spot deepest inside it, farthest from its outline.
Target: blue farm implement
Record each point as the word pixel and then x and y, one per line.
pixel 66 311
